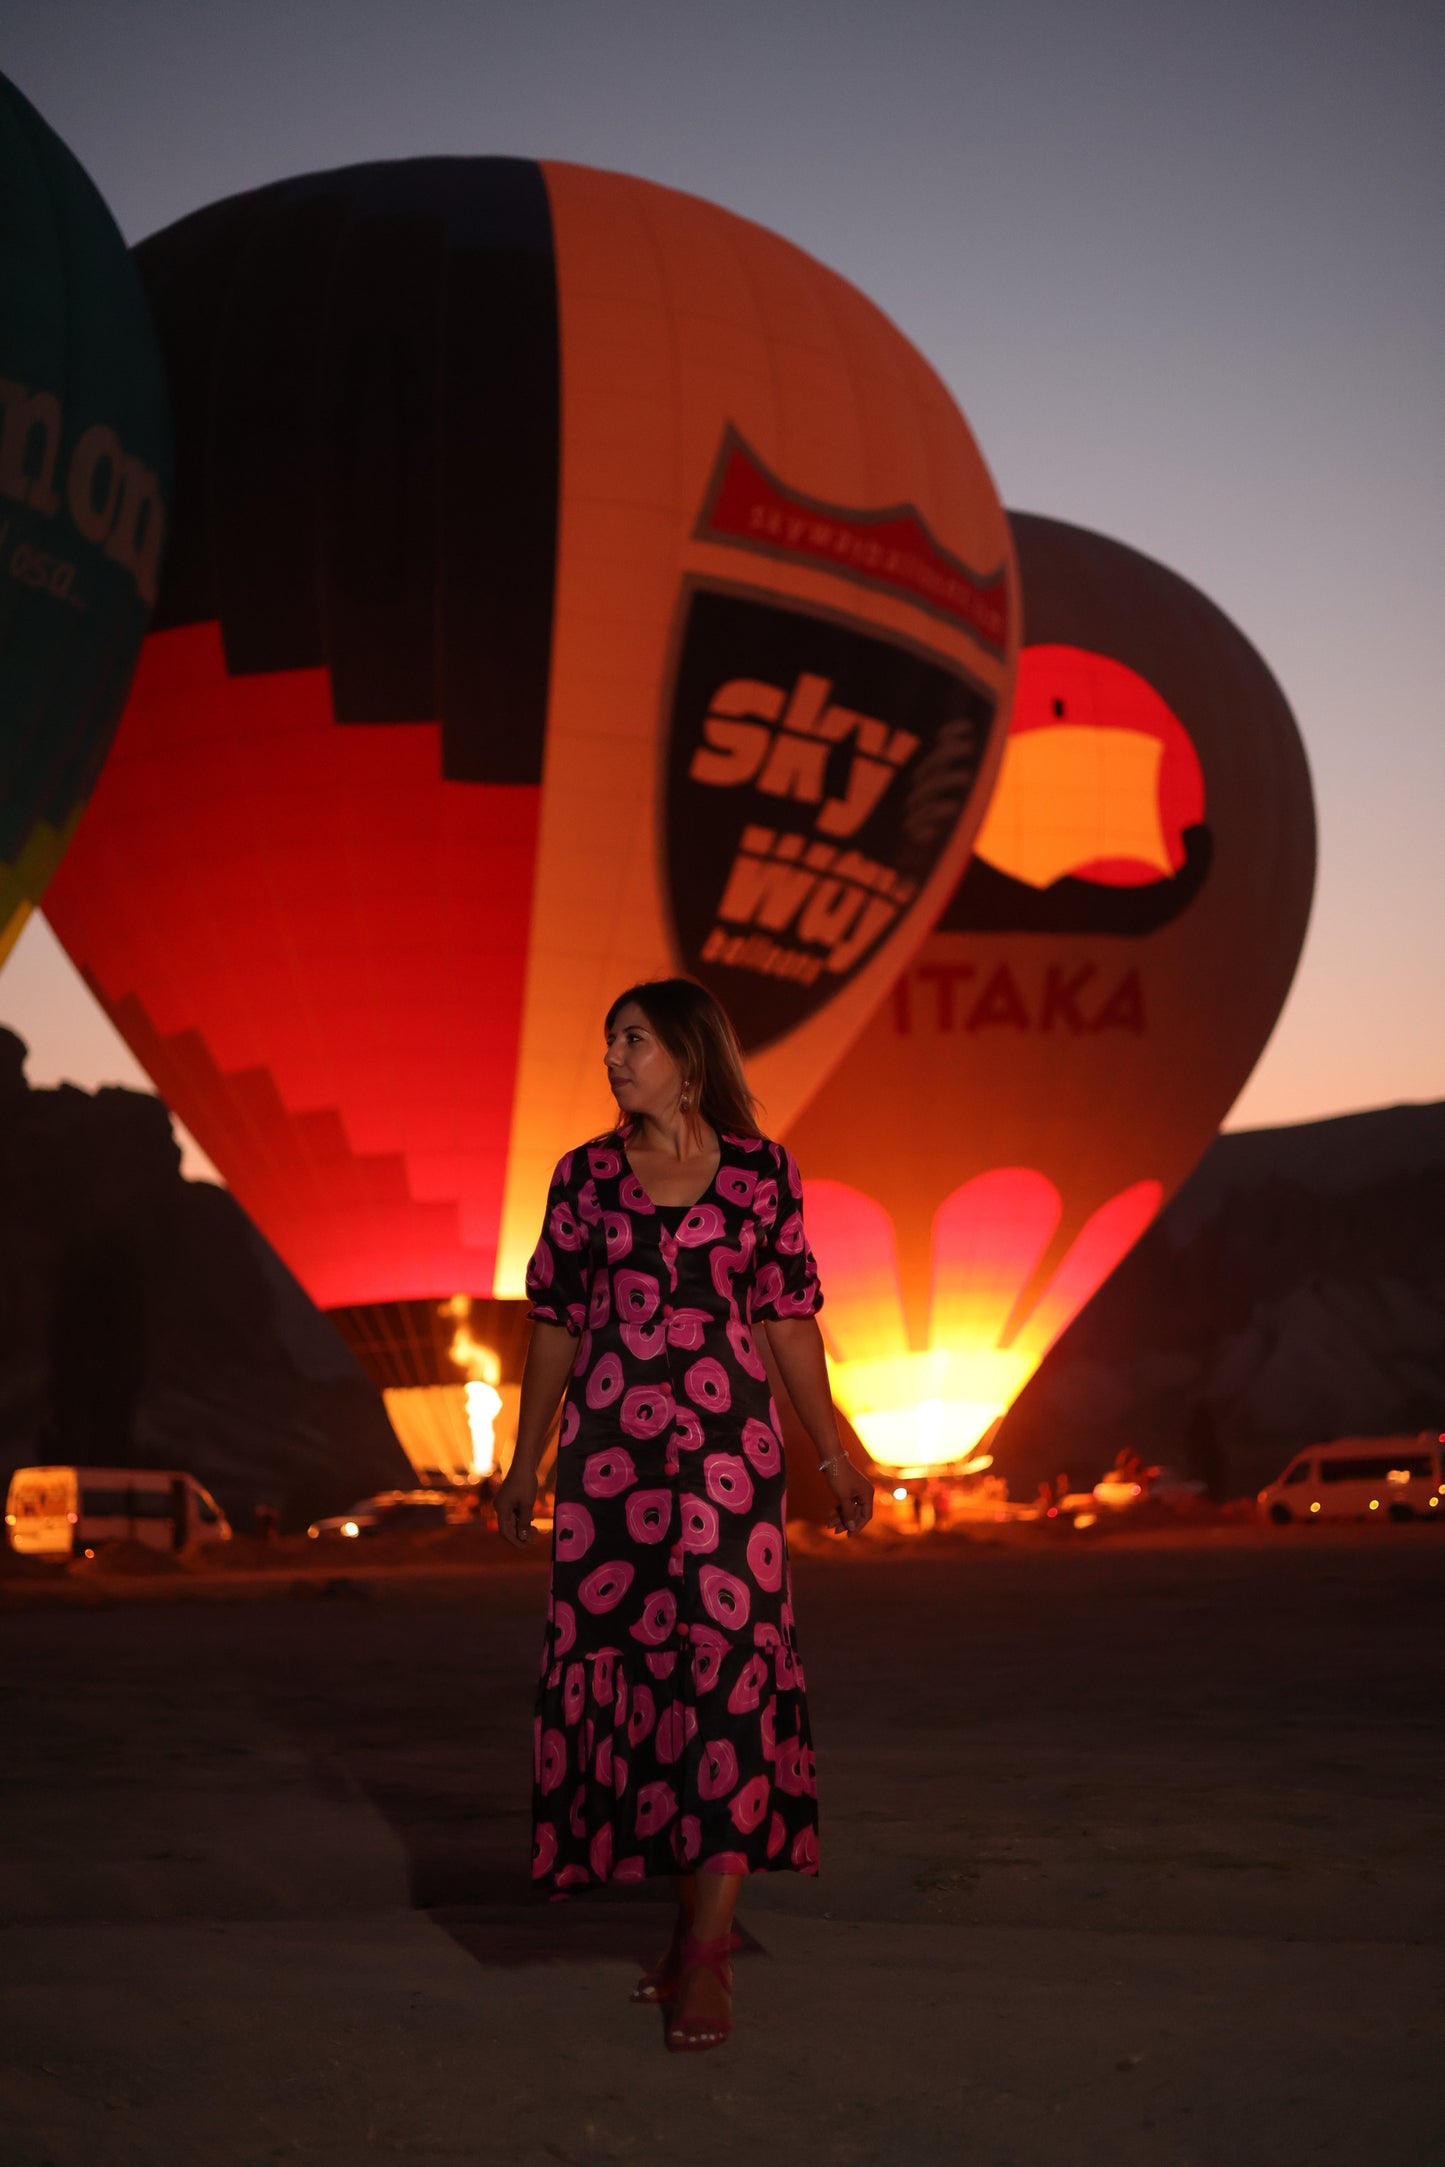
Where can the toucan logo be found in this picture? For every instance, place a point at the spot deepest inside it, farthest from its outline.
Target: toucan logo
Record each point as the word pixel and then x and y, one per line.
pixel 1097 821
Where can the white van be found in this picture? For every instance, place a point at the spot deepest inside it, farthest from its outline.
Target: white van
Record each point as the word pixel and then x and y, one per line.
pixel 1359 1478
pixel 61 1512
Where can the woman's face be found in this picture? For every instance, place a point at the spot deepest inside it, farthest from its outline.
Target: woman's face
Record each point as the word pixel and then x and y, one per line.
pixel 643 1075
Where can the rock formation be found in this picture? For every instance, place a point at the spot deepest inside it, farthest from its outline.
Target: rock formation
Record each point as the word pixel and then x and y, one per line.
pixel 144 1322
pixel 1293 1291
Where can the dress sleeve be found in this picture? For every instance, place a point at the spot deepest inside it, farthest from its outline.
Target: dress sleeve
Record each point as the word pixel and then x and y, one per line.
pixel 557 1274
pixel 786 1282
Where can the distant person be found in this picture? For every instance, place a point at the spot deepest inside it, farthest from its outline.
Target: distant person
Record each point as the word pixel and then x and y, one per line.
pixel 669 1243
pixel 268 1522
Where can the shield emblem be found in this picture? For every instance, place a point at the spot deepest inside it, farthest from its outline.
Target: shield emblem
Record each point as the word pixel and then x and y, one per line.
pixel 816 772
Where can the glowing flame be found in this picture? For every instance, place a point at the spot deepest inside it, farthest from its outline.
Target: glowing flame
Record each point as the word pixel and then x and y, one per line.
pixel 921 1409
pixel 483 1372
pixel 484 1404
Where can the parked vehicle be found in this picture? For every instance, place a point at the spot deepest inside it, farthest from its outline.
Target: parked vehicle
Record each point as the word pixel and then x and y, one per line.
pixel 62 1512
pixel 393 1512
pixel 1359 1478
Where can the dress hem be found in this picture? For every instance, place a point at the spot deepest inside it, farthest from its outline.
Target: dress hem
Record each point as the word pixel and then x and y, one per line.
pixel 545 1884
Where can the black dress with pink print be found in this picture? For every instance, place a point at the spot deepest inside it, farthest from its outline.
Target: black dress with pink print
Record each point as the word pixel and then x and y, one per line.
pixel 672 1725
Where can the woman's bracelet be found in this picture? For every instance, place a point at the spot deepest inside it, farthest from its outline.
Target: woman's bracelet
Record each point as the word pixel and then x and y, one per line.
pixel 824 1465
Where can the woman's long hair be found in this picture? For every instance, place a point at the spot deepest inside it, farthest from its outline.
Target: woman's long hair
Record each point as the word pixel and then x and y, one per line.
pixel 694 1027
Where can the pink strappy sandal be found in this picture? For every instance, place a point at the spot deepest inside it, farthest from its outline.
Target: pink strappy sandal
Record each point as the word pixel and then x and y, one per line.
pixel 659 1984
pixel 693 2035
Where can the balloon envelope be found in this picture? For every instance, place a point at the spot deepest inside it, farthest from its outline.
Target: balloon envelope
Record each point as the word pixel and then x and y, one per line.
pixel 572 583
pixel 84 457
pixel 1096 992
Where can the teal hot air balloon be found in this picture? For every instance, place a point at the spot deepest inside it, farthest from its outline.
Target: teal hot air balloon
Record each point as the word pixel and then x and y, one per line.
pixel 84 477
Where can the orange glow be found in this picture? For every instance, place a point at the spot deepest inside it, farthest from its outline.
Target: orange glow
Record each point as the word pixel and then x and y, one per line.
pixel 1117 1493
pixel 431 1424
pixel 923 1408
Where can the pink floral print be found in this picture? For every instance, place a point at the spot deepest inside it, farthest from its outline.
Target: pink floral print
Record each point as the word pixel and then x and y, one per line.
pixel 672 1723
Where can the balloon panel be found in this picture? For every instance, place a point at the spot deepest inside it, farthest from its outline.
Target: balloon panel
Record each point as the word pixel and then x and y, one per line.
pixel 731 408
pixel 497 482
pixel 1065 1044
pixel 84 456
pixel 272 920
pixel 991 1319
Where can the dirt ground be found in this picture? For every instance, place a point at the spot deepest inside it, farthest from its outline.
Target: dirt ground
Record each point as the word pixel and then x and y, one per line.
pixel 1132 1854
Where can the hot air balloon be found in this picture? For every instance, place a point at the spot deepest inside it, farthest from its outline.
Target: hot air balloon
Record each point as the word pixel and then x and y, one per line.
pixel 84 464
pixel 1064 1045
pixel 571 582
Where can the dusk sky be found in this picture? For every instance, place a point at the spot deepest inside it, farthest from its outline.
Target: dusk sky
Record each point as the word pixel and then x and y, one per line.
pixel 1179 265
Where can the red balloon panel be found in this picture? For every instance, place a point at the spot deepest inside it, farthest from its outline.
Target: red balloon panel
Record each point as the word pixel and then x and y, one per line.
pixel 231 776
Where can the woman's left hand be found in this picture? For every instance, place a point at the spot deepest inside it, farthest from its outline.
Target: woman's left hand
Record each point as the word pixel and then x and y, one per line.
pixel 852 1497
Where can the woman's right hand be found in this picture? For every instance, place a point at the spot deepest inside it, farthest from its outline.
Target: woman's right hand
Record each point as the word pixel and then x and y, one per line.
pixel 515 1500
pixel 852 1496
pixel 550 1354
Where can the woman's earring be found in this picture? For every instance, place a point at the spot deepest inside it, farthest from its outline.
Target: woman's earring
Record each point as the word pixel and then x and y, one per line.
pixel 685 1102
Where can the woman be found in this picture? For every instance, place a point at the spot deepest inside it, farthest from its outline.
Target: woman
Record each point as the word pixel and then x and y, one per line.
pixel 672 1728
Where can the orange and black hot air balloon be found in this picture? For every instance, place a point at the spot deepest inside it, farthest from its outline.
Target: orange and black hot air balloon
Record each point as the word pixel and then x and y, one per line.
pixel 570 582
pixel 1065 1044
